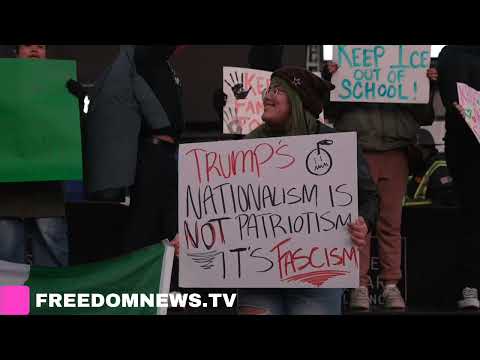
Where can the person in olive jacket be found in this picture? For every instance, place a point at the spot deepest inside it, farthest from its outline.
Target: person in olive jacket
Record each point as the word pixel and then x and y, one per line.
pixel 384 132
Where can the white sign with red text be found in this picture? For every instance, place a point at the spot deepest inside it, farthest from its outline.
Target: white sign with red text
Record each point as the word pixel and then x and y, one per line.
pixel 269 213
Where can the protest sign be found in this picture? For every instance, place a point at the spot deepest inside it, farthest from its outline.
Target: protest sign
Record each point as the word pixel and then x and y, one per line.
pixel 381 73
pixel 268 212
pixel 244 107
pixel 39 121
pixel 469 99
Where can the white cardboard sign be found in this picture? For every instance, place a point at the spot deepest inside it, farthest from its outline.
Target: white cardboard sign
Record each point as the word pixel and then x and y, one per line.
pixel 269 213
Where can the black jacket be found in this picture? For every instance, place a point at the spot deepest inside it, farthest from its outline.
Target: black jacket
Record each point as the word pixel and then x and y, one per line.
pixel 152 64
pixel 457 64
pixel 123 103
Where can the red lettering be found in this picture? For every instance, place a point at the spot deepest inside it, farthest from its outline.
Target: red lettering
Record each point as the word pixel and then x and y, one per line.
pixel 211 165
pixel 326 257
pixel 212 232
pixel 351 255
pixel 292 159
pixel 188 235
pixel 290 261
pixel 197 162
pixel 310 259
pixel 253 161
pixel 279 255
pixel 238 105
pixel 268 157
pixel 250 108
pixel 259 86
pixel 249 81
pixel 259 108
pixel 221 167
pixel 341 260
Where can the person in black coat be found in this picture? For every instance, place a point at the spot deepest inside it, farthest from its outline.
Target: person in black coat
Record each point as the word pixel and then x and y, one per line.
pixel 132 131
pixel 154 196
pixel 462 64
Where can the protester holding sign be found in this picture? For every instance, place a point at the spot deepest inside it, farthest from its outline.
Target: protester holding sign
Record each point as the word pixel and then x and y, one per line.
pixel 384 131
pixel 461 64
pixel 33 210
pixel 292 104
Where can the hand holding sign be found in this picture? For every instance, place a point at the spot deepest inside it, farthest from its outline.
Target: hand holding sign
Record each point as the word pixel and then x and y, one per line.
pixel 460 109
pixel 432 74
pixel 270 213
pixel 176 244
pixel 358 231
pixel 332 67
pixel 237 88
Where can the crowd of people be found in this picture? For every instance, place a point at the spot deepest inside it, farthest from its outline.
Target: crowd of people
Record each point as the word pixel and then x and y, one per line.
pixel 130 141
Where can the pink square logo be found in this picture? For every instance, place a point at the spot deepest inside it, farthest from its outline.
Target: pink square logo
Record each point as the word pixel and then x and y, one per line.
pixel 14 300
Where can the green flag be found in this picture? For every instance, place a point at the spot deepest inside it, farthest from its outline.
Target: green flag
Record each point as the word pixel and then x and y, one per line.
pixel 146 271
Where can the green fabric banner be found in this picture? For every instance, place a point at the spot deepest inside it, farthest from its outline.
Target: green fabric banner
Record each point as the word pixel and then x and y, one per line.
pixel 39 121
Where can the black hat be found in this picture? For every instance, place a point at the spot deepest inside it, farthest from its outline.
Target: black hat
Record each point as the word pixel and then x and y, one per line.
pixel 313 90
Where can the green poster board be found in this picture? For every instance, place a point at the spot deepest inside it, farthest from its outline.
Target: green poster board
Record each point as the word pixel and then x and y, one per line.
pixel 39 121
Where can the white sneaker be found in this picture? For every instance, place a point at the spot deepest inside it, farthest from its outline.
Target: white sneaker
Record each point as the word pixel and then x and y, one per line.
pixel 393 299
pixel 359 299
pixel 470 299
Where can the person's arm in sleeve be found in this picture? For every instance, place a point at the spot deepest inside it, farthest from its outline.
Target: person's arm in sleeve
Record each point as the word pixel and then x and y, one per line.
pixel 76 89
pixel 452 69
pixel 147 92
pixel 424 114
pixel 332 109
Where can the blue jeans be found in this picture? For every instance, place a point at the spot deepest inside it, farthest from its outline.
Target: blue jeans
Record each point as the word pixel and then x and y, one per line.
pixel 290 301
pixel 49 239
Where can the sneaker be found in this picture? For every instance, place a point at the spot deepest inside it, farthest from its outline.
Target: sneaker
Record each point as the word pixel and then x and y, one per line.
pixel 470 299
pixel 392 298
pixel 359 299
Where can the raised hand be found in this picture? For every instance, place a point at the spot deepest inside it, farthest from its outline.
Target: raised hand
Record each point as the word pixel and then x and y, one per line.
pixel 237 87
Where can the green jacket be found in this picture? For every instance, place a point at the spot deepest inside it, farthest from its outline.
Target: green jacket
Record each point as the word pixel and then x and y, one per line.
pixel 380 127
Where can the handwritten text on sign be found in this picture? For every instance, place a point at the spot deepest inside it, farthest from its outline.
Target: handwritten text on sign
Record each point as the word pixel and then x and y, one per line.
pixel 269 212
pixel 381 73
pixel 244 108
pixel 469 99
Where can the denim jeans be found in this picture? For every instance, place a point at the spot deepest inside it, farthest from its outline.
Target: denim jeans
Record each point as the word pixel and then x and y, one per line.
pixel 291 301
pixel 49 240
